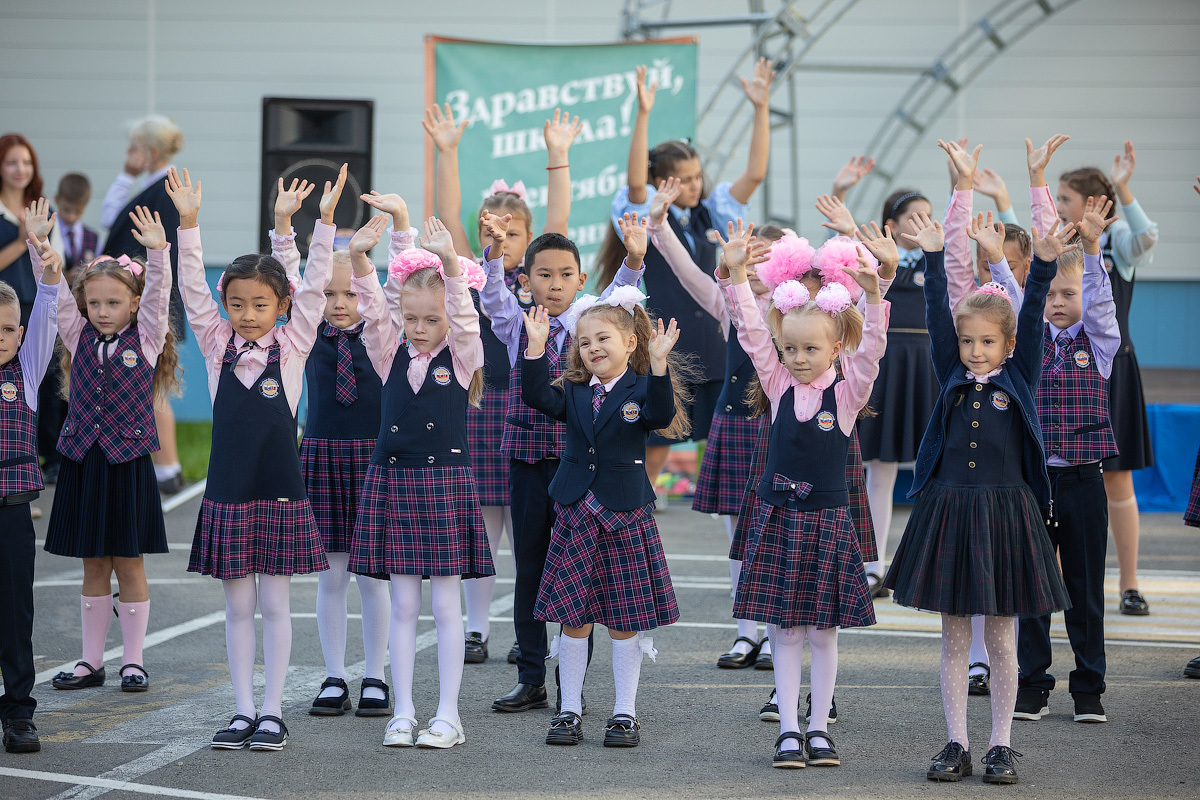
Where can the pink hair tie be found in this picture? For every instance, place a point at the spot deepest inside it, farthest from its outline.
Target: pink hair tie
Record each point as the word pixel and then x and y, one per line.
pixel 789 295
pixel 838 254
pixel 131 266
pixel 500 186
pixel 833 299
pixel 415 259
pixel 791 257
pixel 991 287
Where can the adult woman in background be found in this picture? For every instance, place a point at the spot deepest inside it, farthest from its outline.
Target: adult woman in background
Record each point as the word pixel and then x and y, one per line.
pixel 20 185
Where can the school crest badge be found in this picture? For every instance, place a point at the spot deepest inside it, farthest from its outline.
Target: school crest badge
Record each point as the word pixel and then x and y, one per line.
pixel 826 421
pixel 1082 359
pixel 269 388
pixel 8 391
pixel 1000 401
pixel 631 412
pixel 441 376
pixel 129 358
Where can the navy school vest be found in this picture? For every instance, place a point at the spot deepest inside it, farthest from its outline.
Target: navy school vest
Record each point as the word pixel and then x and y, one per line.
pixel 19 472
pixel 427 428
pixel 1072 403
pixel 327 417
pixel 812 452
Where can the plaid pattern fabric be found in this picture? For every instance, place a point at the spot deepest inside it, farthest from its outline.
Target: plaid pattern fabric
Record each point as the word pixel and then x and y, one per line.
pixel 1072 401
pixel 860 509
pixel 346 391
pixel 803 568
pixel 977 550
pixel 262 537
pixel 1192 515
pixel 122 421
pixel 420 521
pixel 729 455
pixel 18 434
pixel 530 435
pixel 334 471
pixel 606 567
pixel 597 399
pixel 490 467
pixel 758 462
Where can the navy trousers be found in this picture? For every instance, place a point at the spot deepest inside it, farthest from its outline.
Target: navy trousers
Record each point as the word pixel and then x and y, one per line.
pixel 16 611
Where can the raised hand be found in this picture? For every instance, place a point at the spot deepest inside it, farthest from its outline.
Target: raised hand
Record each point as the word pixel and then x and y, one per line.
pixel 441 127
pixel 1038 159
pixel 368 235
pixel 645 91
pixel 537 330
pixel 662 341
pixel 436 239
pixel 1196 185
pixel 989 235
pixel 148 230
pixel 560 131
pixel 39 222
pixel 758 89
pixel 333 192
pixel 288 201
pixel 930 236
pixel 854 171
pixel 185 197
pixel 495 227
pixel 668 192
pixel 736 252
pixel 837 215
pixel 1055 243
pixel 866 277
pixel 953 170
pixel 963 162
pixel 881 245
pixel 989 184
pixel 1096 219
pixel 1122 171
pixel 633 235
pixel 51 262
pixel 389 204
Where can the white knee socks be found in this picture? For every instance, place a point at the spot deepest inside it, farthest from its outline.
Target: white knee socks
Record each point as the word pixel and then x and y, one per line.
pixel 979 653
pixel 822 676
pixel 1001 635
pixel 480 591
pixel 96 615
pixel 241 598
pixel 881 484
pixel 572 669
pixel 627 671
pixel 788 655
pixel 956 649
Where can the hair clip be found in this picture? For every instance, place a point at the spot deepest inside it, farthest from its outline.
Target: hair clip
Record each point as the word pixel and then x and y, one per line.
pixel 833 299
pixel 790 295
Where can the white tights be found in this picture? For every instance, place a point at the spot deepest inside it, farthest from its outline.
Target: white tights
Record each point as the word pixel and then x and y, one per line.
pixel 447 617
pixel 271 595
pixel 1001 635
pixel 745 627
pixel 479 591
pixel 881 485
pixel 332 586
pixel 788 654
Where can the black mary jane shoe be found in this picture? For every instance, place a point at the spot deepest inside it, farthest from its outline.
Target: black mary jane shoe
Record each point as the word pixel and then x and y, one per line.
pixel 566 728
pixel 134 682
pixel 523 697
pixel 821 755
pixel 476 651
pixel 268 740
pixel 875 586
pixel 558 702
pixel 1192 669
pixel 513 652
pixel 789 759
pixel 979 684
pixel 832 718
pixel 232 738
pixel 373 706
pixel 622 730
pixel 952 764
pixel 334 706
pixel 20 736
pixel 69 680
pixel 764 660
pixel 735 660
pixel 999 765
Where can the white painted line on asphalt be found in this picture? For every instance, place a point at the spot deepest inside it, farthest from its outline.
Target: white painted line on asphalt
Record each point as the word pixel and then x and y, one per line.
pixel 117 785
pixel 175 501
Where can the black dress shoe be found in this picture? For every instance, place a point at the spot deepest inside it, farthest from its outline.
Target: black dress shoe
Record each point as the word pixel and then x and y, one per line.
pixel 832 718
pixel 373 706
pixel 789 759
pixel 821 755
pixel 333 706
pixel 764 660
pixel 69 680
pixel 476 649
pixel 770 710
pixel 735 660
pixel 172 485
pixel 522 698
pixel 875 586
pixel 20 736
pixel 269 740
pixel 232 738
pixel 513 652
pixel 952 764
pixel 622 730
pixel 999 765
pixel 1192 670
pixel 1133 604
pixel 979 684
pixel 135 681
pixel 566 728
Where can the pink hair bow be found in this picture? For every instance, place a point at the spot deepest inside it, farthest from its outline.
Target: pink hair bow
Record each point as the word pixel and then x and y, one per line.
pixel 131 266
pixel 500 185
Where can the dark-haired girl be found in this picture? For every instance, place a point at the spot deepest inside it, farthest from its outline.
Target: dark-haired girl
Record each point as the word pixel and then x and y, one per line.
pixel 695 216
pixel 256 527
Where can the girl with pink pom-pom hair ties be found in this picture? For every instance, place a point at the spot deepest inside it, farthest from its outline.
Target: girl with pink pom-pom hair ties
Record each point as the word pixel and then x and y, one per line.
pixel 419 514
pixel 801 533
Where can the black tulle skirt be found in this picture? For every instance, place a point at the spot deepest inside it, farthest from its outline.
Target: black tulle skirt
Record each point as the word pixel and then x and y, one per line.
pixel 903 399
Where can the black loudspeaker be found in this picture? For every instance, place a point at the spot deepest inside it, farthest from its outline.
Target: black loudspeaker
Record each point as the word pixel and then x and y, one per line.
pixel 310 139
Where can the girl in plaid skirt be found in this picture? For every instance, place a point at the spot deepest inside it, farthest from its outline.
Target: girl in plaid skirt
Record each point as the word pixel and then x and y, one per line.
pixel 802 573
pixel 255 528
pixel 419 514
pixel 120 355
pixel 605 563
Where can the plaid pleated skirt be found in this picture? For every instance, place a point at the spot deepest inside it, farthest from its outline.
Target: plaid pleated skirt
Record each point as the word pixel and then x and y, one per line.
pixel 102 509
pixel 260 537
pixel 803 568
pixel 484 428
pixel 334 471
pixel 1192 515
pixel 420 521
pixel 728 457
pixel 606 567
pixel 977 550
pixel 741 531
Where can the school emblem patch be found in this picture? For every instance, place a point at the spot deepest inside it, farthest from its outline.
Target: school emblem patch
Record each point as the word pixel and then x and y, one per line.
pixel 919 278
pixel 826 421
pixel 631 412
pixel 711 235
pixel 1000 401
pixel 441 376
pixel 8 391
pixel 129 358
pixel 269 388
pixel 1082 359
pixel 524 296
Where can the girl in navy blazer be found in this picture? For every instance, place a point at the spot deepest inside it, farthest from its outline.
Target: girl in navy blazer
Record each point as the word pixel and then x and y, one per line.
pixel 976 542
pixel 605 562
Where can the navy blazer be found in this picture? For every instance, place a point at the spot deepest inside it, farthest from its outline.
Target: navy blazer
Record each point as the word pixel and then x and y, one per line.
pixel 608 455
pixel 120 236
pixel 1019 378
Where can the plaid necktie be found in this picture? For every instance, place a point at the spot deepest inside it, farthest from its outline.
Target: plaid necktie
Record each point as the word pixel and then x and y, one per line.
pixel 72 248
pixel 347 390
pixel 552 342
pixel 1063 343
pixel 598 392
pixel 232 357
pixel 510 279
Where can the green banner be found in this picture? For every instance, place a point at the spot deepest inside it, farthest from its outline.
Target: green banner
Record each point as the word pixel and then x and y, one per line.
pixel 508 91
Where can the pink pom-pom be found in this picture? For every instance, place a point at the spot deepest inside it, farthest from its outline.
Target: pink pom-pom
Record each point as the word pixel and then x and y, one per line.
pixel 791 257
pixel 415 259
pixel 789 295
pixel 991 287
pixel 833 299
pixel 835 256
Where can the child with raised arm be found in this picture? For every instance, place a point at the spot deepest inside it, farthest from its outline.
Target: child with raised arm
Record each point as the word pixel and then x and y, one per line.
pixel 976 541
pixel 256 527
